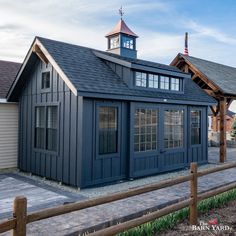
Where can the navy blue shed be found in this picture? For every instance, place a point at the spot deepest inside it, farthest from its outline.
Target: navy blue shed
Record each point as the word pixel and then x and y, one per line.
pixel 89 117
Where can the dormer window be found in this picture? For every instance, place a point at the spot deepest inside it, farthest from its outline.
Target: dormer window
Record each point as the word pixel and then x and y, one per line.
pixel 141 79
pixel 114 42
pixel 45 80
pixel 128 42
pixel 155 81
pixel 164 82
pixel 175 84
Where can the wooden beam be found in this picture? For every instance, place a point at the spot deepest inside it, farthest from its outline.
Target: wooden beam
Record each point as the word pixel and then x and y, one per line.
pixel 210 92
pixel 186 68
pixel 222 130
pixel 39 53
pixel 194 77
pixel 198 73
pixel 229 101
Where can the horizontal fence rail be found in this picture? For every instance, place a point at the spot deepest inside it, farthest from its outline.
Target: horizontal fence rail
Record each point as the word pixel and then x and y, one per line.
pixel 20 217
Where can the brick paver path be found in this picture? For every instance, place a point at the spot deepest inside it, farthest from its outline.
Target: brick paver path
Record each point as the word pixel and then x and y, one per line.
pixel 97 217
pixel 107 214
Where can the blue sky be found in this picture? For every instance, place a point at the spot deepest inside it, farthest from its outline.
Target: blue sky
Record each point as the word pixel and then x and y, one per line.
pixel 160 25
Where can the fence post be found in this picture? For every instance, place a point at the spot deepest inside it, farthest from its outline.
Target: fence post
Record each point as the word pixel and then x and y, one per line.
pixel 193 194
pixel 20 213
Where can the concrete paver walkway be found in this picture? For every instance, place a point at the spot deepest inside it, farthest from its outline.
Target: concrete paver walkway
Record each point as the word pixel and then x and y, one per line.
pixel 107 214
pixel 39 195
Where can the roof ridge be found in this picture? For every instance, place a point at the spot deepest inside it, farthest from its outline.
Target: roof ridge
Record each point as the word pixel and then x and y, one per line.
pixel 72 44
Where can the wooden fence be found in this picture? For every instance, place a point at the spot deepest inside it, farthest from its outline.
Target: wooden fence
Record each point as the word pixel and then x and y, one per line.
pixel 20 217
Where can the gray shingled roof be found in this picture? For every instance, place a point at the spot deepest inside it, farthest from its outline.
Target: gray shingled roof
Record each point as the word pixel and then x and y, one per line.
pixel 88 73
pixel 221 75
pixel 8 71
pixel 144 62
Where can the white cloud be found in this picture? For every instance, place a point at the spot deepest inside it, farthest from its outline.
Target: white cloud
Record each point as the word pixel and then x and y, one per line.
pixel 86 22
pixel 210 32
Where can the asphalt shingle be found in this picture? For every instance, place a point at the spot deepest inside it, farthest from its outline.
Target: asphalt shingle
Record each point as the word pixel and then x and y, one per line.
pixel 88 73
pixel 8 71
pixel 221 75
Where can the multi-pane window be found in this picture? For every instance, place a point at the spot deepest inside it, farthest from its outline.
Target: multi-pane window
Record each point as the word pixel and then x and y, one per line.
pixel 108 129
pixel 164 82
pixel 153 81
pixel 145 130
pixel 175 84
pixel 128 42
pixel 51 131
pixel 173 128
pixel 114 42
pixel 46 127
pixel 39 127
pixel 195 121
pixel 45 80
pixel 149 80
pixel 140 79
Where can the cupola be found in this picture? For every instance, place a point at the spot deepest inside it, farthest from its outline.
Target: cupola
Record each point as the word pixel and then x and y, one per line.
pixel 122 40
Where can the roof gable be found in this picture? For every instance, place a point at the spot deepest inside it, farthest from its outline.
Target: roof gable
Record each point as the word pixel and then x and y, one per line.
pixel 8 71
pixel 221 75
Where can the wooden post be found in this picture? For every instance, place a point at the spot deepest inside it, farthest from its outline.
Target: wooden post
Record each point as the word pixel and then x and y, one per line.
pixel 222 130
pixel 193 193
pixel 214 123
pixel 20 214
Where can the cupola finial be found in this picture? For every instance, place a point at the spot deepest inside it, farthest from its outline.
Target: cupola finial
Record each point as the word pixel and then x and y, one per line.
pixel 121 12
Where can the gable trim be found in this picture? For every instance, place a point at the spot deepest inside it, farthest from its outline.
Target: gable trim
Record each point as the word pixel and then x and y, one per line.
pixel 37 44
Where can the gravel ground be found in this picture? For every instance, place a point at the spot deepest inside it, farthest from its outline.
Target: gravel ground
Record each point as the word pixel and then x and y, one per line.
pixel 125 185
pixel 114 187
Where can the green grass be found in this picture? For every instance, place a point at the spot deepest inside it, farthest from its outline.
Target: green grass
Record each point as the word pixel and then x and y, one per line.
pixel 170 220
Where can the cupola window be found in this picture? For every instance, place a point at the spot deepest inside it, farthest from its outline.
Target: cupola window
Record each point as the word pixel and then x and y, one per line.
pixel 114 42
pixel 128 42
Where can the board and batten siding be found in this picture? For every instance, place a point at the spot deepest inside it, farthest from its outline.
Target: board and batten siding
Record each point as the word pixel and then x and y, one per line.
pixel 8 135
pixel 64 165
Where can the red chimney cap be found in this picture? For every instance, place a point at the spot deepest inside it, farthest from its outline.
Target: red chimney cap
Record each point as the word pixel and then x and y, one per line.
pixel 121 27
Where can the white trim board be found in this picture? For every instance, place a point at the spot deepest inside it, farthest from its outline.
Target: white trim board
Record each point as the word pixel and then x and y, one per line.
pixel 52 62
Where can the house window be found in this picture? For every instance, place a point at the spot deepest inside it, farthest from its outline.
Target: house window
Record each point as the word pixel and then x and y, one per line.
pixel 173 128
pixel 140 79
pixel 164 82
pixel 153 81
pixel 51 132
pixel 40 127
pixel 128 42
pixel 114 42
pixel 108 130
pixel 145 130
pixel 46 127
pixel 195 118
pixel 45 80
pixel 175 84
